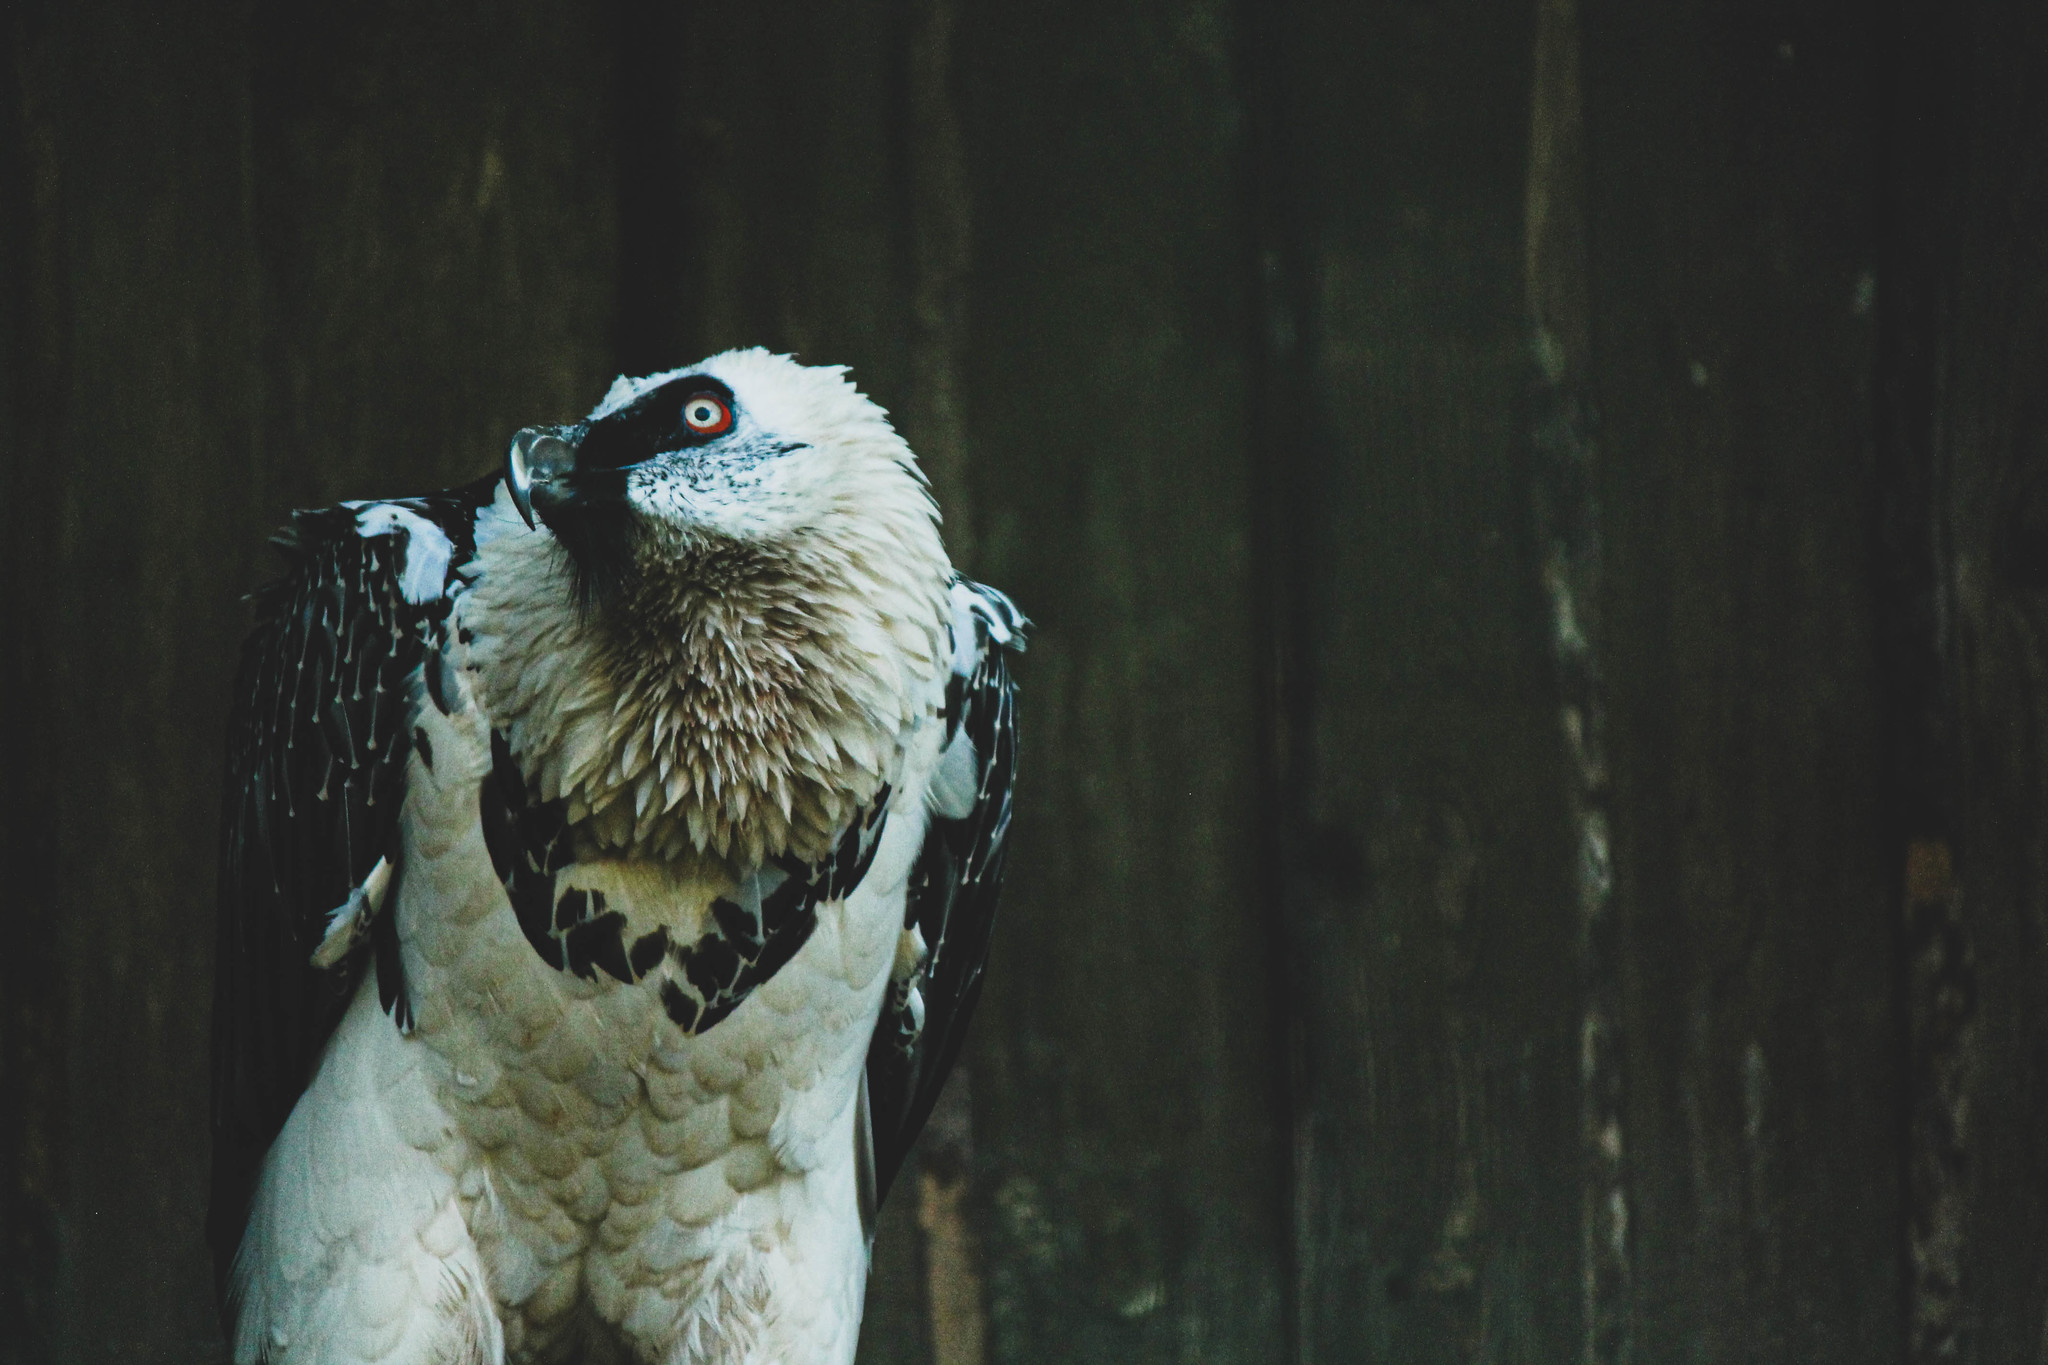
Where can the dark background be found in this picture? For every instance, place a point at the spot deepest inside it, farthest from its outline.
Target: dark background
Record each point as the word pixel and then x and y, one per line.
pixel 1534 831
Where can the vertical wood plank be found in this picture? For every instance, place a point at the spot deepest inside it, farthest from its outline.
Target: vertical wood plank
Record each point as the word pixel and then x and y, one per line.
pixel 954 1286
pixel 1123 1129
pixel 144 275
pixel 1435 971
pixel 1921 768
pixel 940 209
pixel 1970 337
pixel 1570 522
pixel 32 349
pixel 1290 448
pixel 1732 155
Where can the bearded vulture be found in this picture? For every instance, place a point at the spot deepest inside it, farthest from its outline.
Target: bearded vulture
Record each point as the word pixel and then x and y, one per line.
pixel 608 864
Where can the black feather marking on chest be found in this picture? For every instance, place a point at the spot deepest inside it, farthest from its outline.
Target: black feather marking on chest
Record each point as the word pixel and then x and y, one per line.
pixel 529 843
pixel 756 931
pixel 753 932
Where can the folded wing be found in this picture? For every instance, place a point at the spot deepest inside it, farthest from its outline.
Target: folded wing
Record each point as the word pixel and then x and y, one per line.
pixel 954 884
pixel 317 750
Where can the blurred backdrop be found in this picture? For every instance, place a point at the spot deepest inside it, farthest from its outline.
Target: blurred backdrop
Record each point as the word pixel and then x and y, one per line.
pixel 1534 826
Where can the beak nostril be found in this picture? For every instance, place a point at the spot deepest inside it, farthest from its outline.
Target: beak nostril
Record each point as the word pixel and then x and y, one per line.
pixel 550 456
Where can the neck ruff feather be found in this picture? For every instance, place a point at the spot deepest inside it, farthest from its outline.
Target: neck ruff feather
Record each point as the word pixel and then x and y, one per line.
pixel 736 701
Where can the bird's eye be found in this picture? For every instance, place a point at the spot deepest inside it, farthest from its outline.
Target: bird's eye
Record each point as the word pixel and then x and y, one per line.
pixel 706 416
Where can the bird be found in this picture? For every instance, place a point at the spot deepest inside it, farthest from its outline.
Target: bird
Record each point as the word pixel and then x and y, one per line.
pixel 608 866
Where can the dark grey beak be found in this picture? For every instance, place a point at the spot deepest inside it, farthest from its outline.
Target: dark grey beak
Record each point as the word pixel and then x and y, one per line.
pixel 537 459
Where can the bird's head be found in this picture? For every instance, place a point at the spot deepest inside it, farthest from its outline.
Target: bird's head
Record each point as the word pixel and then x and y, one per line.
pixel 725 609
pixel 746 454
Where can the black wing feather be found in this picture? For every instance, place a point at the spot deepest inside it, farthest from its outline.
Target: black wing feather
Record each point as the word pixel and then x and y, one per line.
pixel 317 748
pixel 951 901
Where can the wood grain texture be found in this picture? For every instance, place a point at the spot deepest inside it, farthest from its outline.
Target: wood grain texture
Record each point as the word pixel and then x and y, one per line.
pixel 1571 546
pixel 1434 976
pixel 1732 153
pixel 32 1033
pixel 1921 795
pixel 1977 344
pixel 145 370
pixel 433 203
pixel 1123 1132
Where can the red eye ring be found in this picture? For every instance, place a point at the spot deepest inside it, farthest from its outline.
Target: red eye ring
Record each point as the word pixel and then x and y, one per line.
pixel 707 415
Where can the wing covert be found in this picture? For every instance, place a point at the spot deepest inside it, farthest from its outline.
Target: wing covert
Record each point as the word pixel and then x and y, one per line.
pixel 317 749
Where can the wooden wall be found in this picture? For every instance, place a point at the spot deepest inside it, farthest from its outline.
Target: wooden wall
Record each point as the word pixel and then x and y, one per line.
pixel 1534 832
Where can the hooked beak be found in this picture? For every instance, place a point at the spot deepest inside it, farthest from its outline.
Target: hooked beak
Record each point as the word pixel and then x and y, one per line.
pixel 534 466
